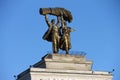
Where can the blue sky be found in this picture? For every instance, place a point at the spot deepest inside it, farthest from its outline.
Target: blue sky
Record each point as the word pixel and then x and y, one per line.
pixel 97 24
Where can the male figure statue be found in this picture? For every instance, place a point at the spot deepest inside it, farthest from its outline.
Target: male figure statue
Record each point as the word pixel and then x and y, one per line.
pixel 53 33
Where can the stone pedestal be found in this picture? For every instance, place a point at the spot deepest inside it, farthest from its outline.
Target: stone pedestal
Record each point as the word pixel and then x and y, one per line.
pixel 67 62
pixel 63 67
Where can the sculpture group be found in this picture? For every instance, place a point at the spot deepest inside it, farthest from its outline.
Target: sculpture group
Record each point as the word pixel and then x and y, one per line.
pixel 58 32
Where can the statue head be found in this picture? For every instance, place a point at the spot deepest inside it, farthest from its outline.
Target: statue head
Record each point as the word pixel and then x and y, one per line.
pixel 53 21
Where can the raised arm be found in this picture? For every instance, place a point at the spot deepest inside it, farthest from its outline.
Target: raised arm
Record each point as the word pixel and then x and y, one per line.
pixel 47 21
pixel 62 23
pixel 58 21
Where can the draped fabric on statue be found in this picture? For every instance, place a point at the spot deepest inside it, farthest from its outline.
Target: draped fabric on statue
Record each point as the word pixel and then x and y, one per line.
pixel 48 35
pixel 57 12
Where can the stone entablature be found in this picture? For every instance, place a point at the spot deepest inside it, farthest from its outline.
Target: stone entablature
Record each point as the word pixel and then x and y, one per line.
pixel 53 74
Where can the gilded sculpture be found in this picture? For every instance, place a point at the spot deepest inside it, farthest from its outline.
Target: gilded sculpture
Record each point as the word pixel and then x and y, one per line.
pixel 58 32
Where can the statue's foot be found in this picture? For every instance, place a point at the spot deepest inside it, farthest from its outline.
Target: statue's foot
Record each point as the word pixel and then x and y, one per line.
pixel 55 52
pixel 67 52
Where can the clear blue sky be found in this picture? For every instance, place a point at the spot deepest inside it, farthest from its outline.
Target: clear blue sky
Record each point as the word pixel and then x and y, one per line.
pixel 97 24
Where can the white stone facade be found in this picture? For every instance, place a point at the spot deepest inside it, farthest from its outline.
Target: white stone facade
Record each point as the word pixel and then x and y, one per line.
pixel 51 74
pixel 63 67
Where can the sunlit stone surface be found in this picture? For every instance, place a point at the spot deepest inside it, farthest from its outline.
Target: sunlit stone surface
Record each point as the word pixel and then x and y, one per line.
pixel 63 67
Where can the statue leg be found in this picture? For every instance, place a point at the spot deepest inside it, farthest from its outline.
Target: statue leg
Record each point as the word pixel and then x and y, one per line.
pixel 54 44
pixel 66 46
